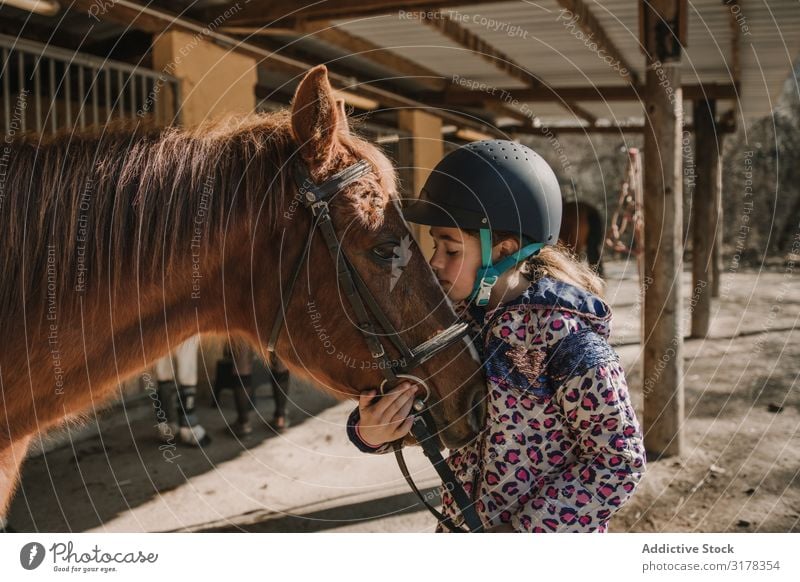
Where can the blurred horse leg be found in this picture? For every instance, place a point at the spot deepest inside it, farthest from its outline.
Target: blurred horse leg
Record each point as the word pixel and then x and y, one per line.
pixel 186 357
pixel 165 399
pixel 243 391
pixel 180 372
pixel 280 391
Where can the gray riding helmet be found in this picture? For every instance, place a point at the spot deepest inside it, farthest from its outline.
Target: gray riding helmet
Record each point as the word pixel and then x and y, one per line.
pixel 494 184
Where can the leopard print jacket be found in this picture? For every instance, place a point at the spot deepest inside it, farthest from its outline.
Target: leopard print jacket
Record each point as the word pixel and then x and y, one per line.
pixel 562 449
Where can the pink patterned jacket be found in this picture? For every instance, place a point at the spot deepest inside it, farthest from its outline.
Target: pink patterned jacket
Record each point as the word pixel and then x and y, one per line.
pixel 562 449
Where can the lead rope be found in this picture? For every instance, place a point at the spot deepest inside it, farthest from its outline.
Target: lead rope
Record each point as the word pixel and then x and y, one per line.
pixel 427 441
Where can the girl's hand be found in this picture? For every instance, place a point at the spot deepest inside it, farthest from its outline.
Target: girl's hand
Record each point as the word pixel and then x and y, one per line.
pixel 387 419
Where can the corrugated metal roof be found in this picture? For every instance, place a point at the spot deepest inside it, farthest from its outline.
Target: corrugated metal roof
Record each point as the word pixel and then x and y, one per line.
pixel 429 48
pixel 536 35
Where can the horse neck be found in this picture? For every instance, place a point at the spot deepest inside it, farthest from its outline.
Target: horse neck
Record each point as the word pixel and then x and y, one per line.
pixel 138 304
pixel 160 280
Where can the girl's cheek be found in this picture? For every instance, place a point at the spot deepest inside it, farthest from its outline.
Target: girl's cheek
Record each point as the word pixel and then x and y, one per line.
pixel 461 271
pixel 457 265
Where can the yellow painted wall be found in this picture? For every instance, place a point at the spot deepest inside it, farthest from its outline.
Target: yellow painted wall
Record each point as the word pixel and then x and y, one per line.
pixel 426 150
pixel 214 81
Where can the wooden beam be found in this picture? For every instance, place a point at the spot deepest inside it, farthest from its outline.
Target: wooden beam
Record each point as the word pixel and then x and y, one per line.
pixel 726 124
pixel 575 129
pixel 326 31
pixel 595 129
pixel 500 109
pixel 663 231
pixel 125 14
pixel 578 10
pixel 284 14
pixel 736 63
pixel 704 216
pixel 488 52
pixel 257 30
pixel 156 21
pixel 547 94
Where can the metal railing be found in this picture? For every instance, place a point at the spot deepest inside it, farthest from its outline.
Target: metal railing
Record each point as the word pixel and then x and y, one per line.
pixel 45 88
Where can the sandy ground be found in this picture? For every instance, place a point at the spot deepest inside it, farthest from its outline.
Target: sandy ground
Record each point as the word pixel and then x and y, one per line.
pixel 738 472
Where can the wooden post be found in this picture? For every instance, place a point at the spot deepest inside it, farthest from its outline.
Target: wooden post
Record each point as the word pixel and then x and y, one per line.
pixel 421 152
pixel 663 226
pixel 704 213
pixel 716 251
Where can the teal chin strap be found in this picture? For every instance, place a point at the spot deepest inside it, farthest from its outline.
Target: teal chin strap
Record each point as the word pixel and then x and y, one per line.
pixel 488 273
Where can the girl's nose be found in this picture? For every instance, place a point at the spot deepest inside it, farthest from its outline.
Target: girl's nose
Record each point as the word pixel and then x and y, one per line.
pixel 435 262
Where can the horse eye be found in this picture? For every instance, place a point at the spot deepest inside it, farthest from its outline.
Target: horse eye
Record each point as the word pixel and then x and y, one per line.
pixel 385 251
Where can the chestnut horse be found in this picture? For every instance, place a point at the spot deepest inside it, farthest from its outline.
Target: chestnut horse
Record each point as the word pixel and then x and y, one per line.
pixel 582 231
pixel 119 245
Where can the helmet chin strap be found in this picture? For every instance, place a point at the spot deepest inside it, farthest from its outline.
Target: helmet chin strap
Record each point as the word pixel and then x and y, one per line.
pixel 489 273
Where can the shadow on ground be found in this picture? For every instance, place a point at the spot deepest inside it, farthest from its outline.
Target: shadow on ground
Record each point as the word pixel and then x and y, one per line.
pixel 86 483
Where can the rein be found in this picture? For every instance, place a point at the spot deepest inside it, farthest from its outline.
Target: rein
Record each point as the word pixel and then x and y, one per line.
pixel 315 197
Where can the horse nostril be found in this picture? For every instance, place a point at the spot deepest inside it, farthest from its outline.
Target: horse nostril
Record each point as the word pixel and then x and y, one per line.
pixel 477 409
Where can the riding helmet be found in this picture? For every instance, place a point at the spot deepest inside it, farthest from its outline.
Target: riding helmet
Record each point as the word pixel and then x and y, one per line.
pixel 494 184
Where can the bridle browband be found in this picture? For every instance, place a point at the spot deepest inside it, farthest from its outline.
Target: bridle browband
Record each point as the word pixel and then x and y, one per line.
pixel 316 198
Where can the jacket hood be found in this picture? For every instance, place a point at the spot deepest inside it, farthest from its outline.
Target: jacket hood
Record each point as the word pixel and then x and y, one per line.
pixel 549 293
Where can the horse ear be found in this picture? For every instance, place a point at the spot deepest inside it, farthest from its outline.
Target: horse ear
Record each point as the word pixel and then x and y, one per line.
pixel 315 116
pixel 342 112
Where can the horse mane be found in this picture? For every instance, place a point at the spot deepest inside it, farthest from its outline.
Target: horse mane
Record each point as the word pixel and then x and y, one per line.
pixel 70 201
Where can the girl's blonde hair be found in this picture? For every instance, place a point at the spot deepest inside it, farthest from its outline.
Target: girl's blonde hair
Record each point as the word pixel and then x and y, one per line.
pixel 555 261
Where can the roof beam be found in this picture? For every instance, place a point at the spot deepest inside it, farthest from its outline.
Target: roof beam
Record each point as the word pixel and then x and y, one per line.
pixel 282 14
pixel 381 56
pixel 126 14
pixel 579 12
pixel 736 65
pixel 546 94
pixel 326 31
pixel 475 44
pixel 544 130
pixel 157 21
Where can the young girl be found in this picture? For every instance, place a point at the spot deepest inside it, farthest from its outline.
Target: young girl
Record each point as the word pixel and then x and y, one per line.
pixel 561 450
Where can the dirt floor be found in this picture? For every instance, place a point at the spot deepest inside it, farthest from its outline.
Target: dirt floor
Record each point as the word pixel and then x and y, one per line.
pixel 738 472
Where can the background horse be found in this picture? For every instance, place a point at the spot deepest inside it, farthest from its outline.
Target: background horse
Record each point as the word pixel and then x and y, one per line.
pixel 582 229
pixel 118 245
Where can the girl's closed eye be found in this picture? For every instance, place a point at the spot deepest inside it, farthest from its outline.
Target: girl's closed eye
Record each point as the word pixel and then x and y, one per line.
pixel 447 252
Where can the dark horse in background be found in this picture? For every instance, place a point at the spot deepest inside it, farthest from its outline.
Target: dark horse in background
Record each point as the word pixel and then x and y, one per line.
pixel 583 230
pixel 118 244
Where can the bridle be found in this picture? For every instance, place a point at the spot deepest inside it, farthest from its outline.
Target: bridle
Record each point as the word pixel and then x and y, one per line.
pixel 316 197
